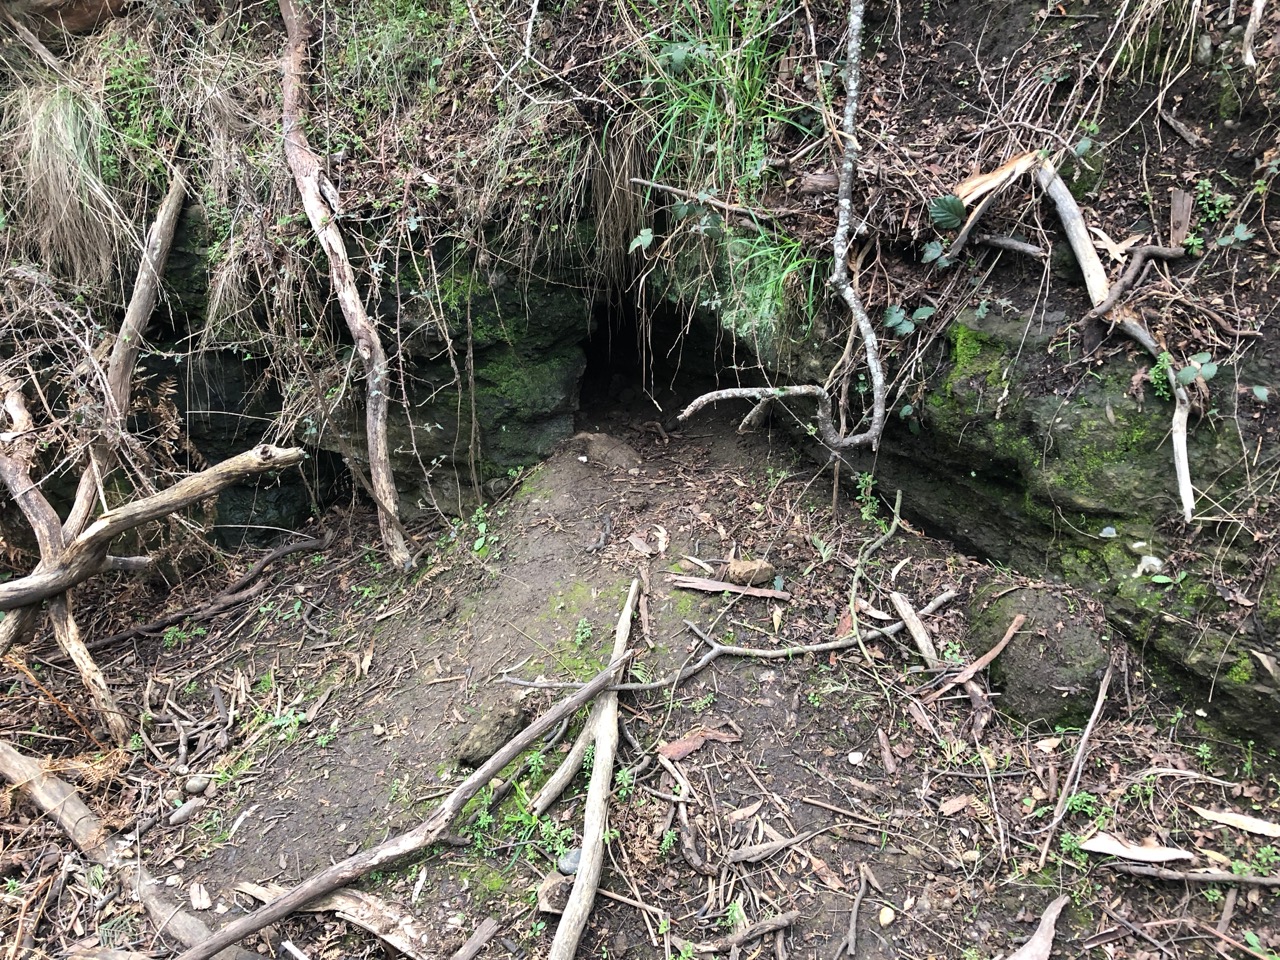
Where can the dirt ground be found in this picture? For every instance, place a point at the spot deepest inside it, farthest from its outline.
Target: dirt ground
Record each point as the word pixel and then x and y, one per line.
pixel 330 712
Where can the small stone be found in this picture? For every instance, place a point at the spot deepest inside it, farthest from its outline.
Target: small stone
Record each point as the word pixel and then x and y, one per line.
pixel 1108 532
pixel 553 892
pixel 750 573
pixel 1204 49
pixel 887 916
pixel 569 861
pixel 196 786
pixel 186 811
pixel 491 731
pixel 857 758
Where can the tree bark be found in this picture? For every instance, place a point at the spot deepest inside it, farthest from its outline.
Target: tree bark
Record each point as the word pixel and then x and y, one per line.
pixel 320 200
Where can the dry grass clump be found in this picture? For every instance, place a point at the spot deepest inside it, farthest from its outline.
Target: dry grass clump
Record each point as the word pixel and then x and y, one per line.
pixel 71 216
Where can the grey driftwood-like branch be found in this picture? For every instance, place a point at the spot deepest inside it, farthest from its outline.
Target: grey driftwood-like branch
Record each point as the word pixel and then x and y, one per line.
pixel 87 554
pixel 841 283
pixel 322 205
pixel 53 536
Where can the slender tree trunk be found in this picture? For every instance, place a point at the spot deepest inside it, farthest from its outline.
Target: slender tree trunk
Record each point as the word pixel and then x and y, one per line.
pixel 320 200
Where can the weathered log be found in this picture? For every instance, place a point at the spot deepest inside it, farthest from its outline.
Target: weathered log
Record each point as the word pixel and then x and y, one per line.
pixel 60 802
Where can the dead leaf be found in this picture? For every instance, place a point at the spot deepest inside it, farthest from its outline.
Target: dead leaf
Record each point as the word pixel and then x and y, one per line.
pixel 845 626
pixel 662 537
pixel 641 546
pixel 1048 744
pixel 200 899
pixel 1106 844
pixel 1268 663
pixel 824 872
pixel 1240 822
pixel 694 740
pixel 1119 252
pixel 873 613
pixel 742 813
pixel 949 808
pixel 1041 942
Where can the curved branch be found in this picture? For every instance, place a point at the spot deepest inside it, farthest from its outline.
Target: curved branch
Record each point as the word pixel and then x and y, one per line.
pixel 840 271
pixel 87 554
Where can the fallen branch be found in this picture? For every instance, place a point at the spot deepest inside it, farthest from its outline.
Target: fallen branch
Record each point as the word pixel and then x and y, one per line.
pixel 706 585
pixel 746 935
pixel 733 209
pixel 231 595
pixel 87 554
pixel 1193 876
pixel 1181 414
pixel 718 650
pixel 476 943
pixel 1066 790
pixel 969 672
pixel 1095 277
pixel 595 817
pixel 1247 56
pixel 765 397
pixel 394 926
pixel 60 802
pixel 1138 260
pixel 1096 281
pixel 426 833
pixel 320 200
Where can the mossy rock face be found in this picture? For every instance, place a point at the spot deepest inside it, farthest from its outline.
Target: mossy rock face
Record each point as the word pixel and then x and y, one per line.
pixel 528 362
pixel 1050 670
pixel 1075 479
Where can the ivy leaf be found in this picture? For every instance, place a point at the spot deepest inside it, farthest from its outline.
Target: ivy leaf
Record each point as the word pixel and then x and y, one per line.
pixel 947 212
pixel 906 411
pixel 642 241
pixel 1083 147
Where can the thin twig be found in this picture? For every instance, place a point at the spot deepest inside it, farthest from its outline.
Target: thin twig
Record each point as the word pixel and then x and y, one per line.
pixel 1067 788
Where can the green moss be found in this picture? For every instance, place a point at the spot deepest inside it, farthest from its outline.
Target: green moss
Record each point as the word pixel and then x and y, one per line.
pixel 1241 671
